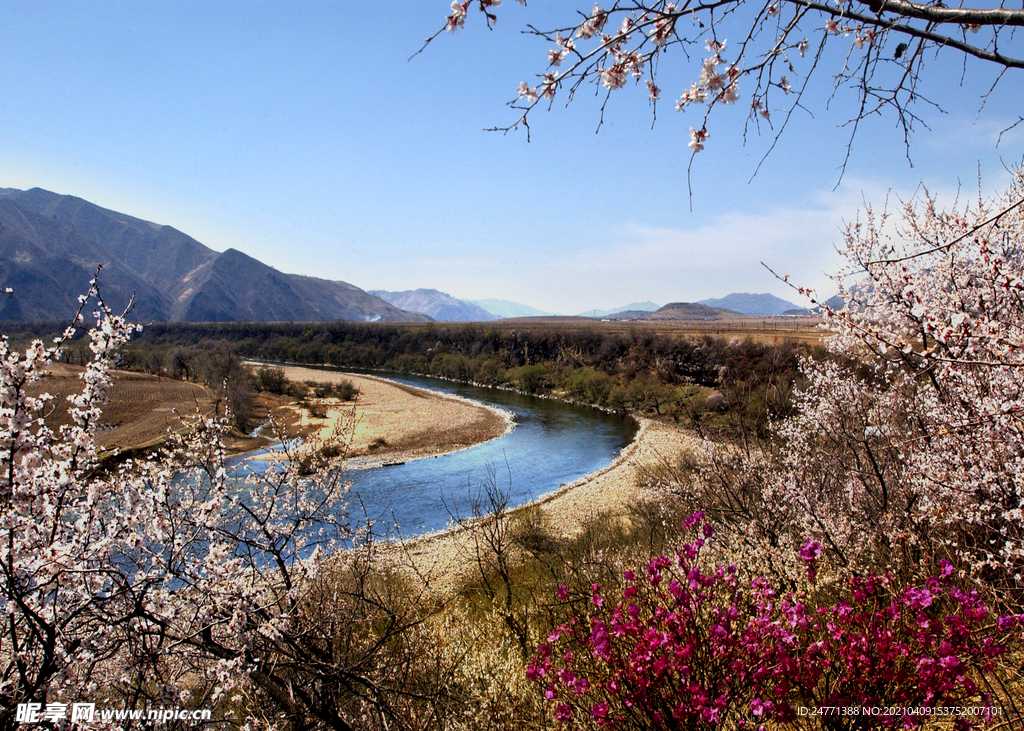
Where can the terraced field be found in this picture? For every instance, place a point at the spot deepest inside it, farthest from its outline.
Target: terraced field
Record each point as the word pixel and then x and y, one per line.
pixel 140 410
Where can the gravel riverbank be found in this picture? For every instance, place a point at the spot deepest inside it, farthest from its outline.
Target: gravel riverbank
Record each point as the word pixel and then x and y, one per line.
pixel 419 423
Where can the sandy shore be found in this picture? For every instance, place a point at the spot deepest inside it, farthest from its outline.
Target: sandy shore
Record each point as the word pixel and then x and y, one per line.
pixel 398 423
pixel 442 560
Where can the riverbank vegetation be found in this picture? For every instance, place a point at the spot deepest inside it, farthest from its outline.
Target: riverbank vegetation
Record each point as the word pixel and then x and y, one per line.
pixel 724 387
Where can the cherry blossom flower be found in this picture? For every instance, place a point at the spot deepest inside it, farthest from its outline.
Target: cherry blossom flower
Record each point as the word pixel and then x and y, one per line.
pixel 458 17
pixel 549 85
pixel 613 77
pixel 527 92
pixel 697 138
pixel 594 24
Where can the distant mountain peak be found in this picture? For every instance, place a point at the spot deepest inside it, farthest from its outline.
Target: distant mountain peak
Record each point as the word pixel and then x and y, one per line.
pixel 631 308
pixel 438 305
pixel 507 309
pixel 690 311
pixel 763 305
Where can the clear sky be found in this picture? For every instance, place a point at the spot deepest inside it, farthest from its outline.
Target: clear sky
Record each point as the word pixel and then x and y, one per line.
pixel 301 134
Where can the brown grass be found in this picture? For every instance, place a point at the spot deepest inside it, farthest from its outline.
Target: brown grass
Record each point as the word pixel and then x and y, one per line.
pixel 140 410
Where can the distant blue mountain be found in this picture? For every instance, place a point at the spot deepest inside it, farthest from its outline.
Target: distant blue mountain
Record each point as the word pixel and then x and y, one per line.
pixel 764 305
pixel 504 308
pixel 635 307
pixel 438 305
pixel 835 302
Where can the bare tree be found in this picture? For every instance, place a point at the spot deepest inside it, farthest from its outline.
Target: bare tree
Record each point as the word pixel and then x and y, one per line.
pixel 492 529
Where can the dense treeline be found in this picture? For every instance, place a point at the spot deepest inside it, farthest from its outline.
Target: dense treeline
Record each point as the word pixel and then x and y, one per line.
pixel 714 383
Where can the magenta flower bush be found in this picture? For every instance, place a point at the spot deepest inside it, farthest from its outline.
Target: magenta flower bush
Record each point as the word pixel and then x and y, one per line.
pixel 683 647
pixel 877 649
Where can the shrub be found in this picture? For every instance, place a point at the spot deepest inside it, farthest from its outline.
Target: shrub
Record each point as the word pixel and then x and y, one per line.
pixel 529 378
pixel 271 379
pixel 679 645
pixel 344 390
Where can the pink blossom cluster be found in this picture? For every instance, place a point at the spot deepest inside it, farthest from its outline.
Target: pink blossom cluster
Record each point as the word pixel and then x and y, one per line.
pixel 907 442
pixel 685 647
pixel 628 38
pixel 930 446
pixel 459 9
pixel 697 138
pixel 594 23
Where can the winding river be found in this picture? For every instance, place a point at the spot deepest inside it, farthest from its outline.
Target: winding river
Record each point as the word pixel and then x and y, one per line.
pixel 553 443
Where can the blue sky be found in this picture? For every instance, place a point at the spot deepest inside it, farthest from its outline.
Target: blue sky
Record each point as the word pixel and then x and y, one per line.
pixel 301 134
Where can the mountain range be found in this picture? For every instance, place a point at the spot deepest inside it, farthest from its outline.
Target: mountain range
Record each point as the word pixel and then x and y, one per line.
pixel 737 303
pixel 733 305
pixel 504 308
pixel 51 246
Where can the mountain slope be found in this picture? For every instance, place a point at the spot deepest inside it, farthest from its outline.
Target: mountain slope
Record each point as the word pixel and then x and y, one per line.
pixel 504 308
pixel 630 308
pixel 48 265
pixel 438 305
pixel 765 305
pixel 161 255
pixel 50 246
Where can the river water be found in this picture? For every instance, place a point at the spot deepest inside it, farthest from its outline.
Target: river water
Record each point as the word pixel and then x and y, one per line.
pixel 553 443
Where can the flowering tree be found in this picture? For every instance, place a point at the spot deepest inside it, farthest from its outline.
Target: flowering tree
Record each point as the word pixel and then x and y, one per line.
pixel 939 431
pixel 169 581
pixel 879 49
pixel 908 440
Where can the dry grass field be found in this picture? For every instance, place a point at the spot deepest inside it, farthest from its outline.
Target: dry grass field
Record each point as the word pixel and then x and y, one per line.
pixel 140 410
pixel 391 418
pixel 763 329
pixel 766 329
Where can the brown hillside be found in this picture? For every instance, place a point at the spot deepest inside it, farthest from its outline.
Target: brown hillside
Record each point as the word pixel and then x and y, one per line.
pixel 140 410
